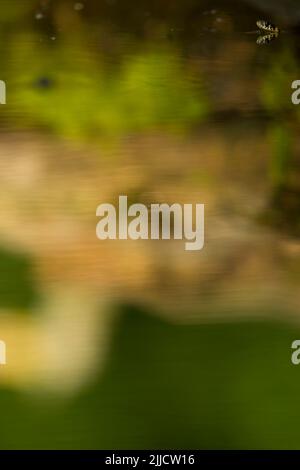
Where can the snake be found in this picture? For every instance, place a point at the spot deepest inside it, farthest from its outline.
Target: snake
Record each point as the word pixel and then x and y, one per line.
pixel 270 31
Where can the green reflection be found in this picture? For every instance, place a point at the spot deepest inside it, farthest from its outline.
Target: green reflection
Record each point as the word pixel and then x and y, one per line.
pixel 276 94
pixel 12 10
pixel 208 386
pixel 70 90
pixel 16 286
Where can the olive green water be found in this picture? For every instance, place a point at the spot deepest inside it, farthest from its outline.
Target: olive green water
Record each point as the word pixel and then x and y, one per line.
pixel 143 344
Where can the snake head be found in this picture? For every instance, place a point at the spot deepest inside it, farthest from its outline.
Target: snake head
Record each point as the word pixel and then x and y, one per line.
pixel 267 26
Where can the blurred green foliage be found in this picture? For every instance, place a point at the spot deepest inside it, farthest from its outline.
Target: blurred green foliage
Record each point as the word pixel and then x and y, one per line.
pixel 281 70
pixel 16 287
pixel 284 208
pixel 14 10
pixel 281 144
pixel 69 89
pixel 207 386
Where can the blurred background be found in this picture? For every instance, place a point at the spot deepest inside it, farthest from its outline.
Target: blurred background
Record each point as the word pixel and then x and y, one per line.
pixel 129 345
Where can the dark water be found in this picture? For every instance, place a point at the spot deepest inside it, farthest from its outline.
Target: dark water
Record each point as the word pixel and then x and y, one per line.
pixel 142 344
